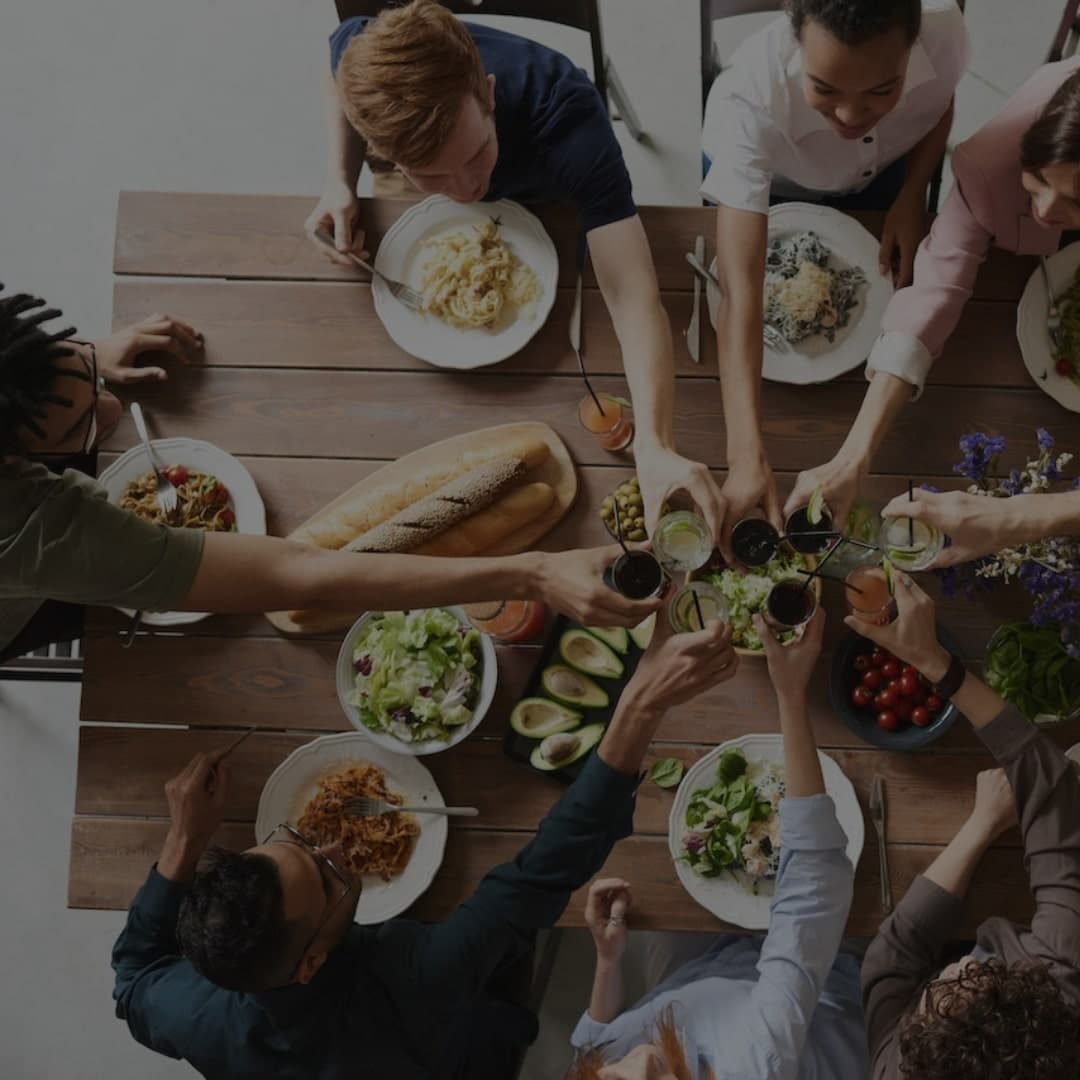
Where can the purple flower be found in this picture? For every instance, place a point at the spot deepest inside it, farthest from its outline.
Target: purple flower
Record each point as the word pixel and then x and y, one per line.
pixel 1046 440
pixel 1014 483
pixel 979 453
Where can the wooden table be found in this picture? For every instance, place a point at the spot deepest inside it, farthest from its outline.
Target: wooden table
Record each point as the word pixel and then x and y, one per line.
pixel 302 383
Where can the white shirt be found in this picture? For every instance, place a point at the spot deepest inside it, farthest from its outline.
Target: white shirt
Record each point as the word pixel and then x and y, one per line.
pixel 762 136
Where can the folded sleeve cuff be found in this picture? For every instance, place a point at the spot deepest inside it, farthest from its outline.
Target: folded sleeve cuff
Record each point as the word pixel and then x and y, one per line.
pixel 810 824
pixel 589 1032
pixel 738 191
pixel 902 355
pixel 1007 734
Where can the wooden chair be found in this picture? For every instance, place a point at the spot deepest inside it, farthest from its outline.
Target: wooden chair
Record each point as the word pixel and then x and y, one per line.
pixel 1067 35
pixel 579 14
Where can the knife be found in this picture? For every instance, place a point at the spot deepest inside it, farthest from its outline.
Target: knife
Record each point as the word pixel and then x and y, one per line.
pixel 877 816
pixel 693 331
pixel 575 312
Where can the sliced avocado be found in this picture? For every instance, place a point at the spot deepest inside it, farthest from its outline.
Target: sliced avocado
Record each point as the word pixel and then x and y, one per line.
pixel 537 718
pixel 570 687
pixel 589 655
pixel 643 632
pixel 615 636
pixel 561 749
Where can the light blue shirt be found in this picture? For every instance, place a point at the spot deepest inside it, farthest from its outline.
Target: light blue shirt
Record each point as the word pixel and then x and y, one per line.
pixel 785 1007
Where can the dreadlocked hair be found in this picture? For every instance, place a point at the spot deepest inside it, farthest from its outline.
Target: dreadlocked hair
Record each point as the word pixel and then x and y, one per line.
pixel 29 367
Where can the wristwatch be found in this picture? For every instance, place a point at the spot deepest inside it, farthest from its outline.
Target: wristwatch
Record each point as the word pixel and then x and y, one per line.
pixel 952 680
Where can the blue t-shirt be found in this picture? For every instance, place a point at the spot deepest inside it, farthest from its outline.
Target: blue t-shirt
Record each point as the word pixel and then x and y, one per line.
pixel 556 143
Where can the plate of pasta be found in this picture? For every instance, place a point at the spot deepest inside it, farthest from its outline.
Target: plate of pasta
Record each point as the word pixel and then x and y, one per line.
pixel 216 494
pixel 396 855
pixel 487 273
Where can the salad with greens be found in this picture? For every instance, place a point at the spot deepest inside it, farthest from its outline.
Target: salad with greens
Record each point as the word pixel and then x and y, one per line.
pixel 746 595
pixel 735 824
pixel 1031 669
pixel 416 674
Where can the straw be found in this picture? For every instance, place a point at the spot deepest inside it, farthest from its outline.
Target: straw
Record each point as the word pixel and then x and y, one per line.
pixel 832 533
pixel 811 574
pixel 910 521
pixel 697 607
pixel 588 385
pixel 618 530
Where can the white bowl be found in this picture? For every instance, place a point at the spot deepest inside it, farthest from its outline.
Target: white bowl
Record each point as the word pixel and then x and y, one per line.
pixel 346 683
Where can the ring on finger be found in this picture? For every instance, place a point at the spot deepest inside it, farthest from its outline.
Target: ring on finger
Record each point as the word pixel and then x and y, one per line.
pixel 616 920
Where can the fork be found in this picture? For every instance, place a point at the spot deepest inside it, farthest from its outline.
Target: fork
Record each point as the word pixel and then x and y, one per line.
pixel 769 334
pixel 1053 316
pixel 362 806
pixel 877 816
pixel 166 493
pixel 408 296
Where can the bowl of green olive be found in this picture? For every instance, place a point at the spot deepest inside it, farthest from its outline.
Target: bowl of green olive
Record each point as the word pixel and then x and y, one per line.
pixel 626 501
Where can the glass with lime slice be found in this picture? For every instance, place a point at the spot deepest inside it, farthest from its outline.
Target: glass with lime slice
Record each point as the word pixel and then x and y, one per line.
pixel 682 541
pixel 910 544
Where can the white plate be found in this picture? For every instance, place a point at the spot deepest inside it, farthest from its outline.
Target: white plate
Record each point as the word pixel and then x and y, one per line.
pixel 199 456
pixel 292 785
pixel 726 898
pixel 815 359
pixel 346 683
pixel 1031 330
pixel 400 256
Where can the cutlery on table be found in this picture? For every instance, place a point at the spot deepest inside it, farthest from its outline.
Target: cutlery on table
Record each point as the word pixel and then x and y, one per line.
pixel 131 631
pixel 228 750
pixel 361 806
pixel 166 493
pixel 1053 316
pixel 769 334
pixel 693 331
pixel 408 296
pixel 877 816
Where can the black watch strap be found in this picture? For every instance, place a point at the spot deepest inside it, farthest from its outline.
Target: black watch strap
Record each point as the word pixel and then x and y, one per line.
pixel 952 680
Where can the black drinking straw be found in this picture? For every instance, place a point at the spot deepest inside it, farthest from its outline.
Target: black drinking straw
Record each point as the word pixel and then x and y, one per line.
pixel 618 530
pixel 910 520
pixel 697 607
pixel 811 574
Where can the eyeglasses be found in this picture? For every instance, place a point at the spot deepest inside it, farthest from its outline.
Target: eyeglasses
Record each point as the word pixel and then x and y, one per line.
pixel 294 836
pixel 89 417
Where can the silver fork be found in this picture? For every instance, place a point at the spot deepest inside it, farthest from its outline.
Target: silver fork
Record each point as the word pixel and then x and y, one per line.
pixel 166 493
pixel 362 806
pixel 1053 316
pixel 769 334
pixel 877 816
pixel 408 296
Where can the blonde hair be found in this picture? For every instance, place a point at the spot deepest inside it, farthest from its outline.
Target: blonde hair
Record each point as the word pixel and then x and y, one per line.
pixel 588 1063
pixel 403 80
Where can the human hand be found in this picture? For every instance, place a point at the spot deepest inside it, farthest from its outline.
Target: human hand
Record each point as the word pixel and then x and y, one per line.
pixel 662 473
pixel 336 213
pixel 904 229
pixel 606 907
pixel 677 667
pixel 196 798
pixel 749 485
pixel 995 803
pixel 913 635
pixel 116 355
pixel 839 480
pixel 976 524
pixel 792 665
pixel 572 582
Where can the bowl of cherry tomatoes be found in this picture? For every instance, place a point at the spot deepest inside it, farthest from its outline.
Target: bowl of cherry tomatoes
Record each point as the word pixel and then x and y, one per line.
pixel 886 702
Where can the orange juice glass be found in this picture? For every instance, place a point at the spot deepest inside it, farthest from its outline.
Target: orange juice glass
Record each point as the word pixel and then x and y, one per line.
pixel 871 603
pixel 613 429
pixel 509 621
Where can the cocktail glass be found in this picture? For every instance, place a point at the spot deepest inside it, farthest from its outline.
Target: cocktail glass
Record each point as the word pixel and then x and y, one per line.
pixel 868 596
pixel 910 544
pixel 754 541
pixel 683 614
pixel 791 603
pixel 682 542
pixel 637 575
pixel 612 428
pixel 798 525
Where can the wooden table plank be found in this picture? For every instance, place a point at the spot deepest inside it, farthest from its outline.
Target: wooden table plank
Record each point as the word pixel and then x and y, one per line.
pixel 372 415
pixel 110 858
pixel 929 793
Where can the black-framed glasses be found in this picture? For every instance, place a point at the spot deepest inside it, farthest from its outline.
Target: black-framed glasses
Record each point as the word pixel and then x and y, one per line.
pixel 348 887
pixel 89 416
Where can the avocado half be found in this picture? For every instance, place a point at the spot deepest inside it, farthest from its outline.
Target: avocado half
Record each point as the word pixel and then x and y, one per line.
pixel 537 717
pixel 614 636
pixel 570 687
pixel 643 632
pixel 589 655
pixel 563 748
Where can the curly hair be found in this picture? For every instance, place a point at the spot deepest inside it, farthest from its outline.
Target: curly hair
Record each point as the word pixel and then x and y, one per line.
pixel 993 1022
pixel 232 925
pixel 29 368
pixel 855 22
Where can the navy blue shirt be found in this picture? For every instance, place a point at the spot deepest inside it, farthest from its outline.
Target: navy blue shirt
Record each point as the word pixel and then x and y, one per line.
pixel 556 143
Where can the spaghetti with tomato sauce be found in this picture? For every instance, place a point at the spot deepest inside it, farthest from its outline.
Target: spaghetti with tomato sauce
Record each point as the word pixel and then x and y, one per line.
pixel 203 501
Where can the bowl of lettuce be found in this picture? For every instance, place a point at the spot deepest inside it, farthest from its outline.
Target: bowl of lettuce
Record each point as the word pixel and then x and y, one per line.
pixel 746 592
pixel 416 682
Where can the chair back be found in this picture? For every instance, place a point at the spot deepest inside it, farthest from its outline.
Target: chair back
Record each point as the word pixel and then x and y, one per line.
pixel 1066 35
pixel 578 14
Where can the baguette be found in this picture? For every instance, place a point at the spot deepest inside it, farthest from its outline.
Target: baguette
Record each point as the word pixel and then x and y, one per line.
pixel 362 513
pixel 473 536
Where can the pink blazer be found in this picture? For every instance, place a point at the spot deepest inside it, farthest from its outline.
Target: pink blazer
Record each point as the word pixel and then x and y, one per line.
pixel 987 205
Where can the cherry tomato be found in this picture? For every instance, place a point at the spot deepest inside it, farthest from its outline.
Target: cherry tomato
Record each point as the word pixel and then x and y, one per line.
pixel 934 704
pixel 878 703
pixel 177 475
pixel 909 685
pixel 889 697
pixel 887 720
pixel 909 669
pixel 890 669
pixel 218 495
pixel 862 663
pixel 919 716
pixel 227 518
pixel 1063 366
pixel 903 709
pixel 872 679
pixel 877 658
pixel 862 697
